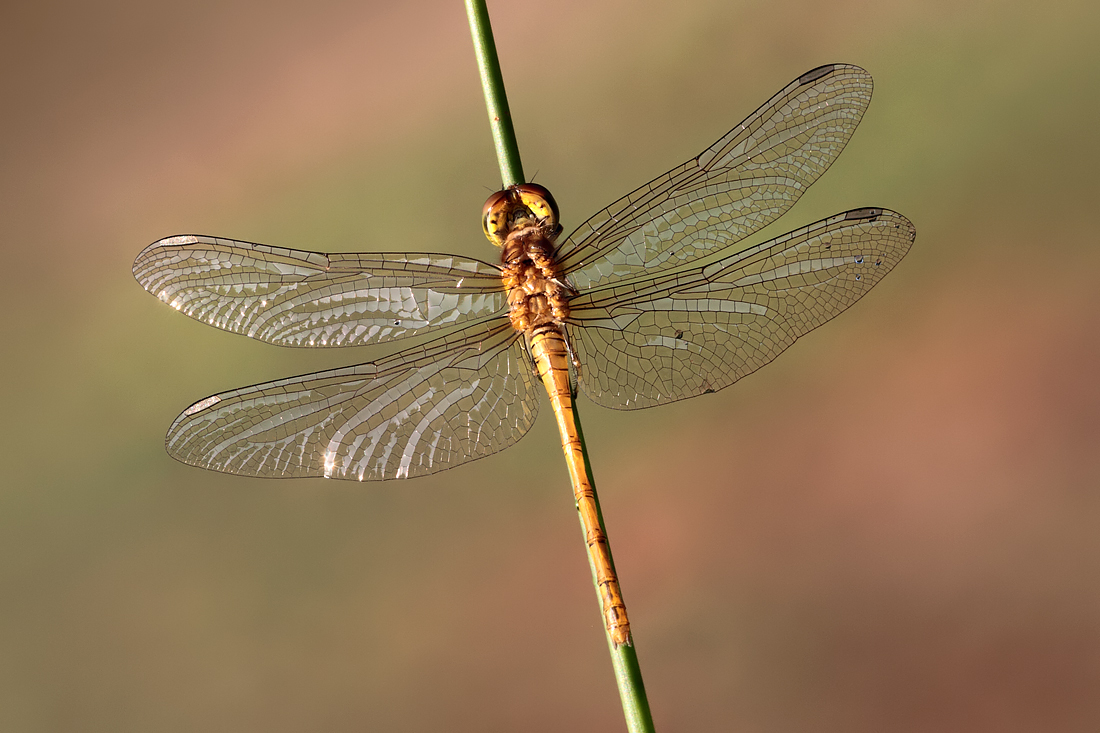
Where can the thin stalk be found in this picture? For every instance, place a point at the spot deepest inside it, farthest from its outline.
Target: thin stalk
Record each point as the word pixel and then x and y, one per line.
pixel 496 101
pixel 624 658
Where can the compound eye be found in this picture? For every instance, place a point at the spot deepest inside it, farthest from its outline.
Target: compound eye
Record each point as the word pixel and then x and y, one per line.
pixel 493 201
pixel 539 200
pixel 494 217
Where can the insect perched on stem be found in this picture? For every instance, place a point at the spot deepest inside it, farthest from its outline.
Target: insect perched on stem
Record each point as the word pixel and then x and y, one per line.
pixel 653 300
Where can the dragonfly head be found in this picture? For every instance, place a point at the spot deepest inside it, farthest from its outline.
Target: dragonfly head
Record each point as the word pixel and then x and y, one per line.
pixel 524 205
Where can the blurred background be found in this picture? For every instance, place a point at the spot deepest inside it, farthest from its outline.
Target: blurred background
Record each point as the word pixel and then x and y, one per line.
pixel 894 527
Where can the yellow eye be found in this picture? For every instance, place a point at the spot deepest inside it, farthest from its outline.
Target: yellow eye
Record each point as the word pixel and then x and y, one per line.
pixel 526 200
pixel 494 217
pixel 539 201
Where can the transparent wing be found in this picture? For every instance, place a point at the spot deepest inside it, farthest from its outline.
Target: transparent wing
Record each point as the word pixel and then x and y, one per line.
pixel 420 411
pixel 294 298
pixel 698 330
pixel 743 182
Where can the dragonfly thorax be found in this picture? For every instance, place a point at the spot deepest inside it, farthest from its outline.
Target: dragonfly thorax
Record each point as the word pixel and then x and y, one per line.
pixel 537 293
pixel 523 221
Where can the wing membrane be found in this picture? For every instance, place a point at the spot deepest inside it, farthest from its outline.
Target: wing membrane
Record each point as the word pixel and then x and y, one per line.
pixel 701 329
pixel 743 182
pixel 296 298
pixel 420 411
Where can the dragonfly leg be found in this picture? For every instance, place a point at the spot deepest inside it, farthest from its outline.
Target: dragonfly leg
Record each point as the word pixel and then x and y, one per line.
pixel 574 362
pixel 534 362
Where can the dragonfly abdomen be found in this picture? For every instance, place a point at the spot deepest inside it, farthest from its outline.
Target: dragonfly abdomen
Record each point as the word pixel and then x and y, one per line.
pixel 551 355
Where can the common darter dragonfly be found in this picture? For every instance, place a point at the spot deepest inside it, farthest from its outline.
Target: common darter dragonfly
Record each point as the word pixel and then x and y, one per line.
pixel 651 300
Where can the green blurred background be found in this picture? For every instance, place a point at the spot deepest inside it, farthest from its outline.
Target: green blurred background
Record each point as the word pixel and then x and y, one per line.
pixel 892 528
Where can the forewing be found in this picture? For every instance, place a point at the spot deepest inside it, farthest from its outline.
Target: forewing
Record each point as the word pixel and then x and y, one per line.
pixel 696 331
pixel 417 412
pixel 735 187
pixel 295 298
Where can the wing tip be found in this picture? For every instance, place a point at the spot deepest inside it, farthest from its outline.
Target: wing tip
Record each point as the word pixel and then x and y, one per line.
pixel 814 74
pixel 867 212
pixel 874 213
pixel 828 69
pixel 151 251
pixel 175 240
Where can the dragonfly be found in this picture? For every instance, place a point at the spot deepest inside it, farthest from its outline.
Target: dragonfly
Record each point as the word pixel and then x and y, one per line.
pixel 653 299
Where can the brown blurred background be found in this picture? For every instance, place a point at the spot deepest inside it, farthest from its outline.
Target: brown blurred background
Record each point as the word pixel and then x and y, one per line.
pixel 892 528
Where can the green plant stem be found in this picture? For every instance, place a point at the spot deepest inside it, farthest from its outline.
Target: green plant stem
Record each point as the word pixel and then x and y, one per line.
pixel 496 101
pixel 624 657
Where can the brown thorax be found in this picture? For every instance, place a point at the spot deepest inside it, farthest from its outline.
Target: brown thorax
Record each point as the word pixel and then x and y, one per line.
pixel 523 221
